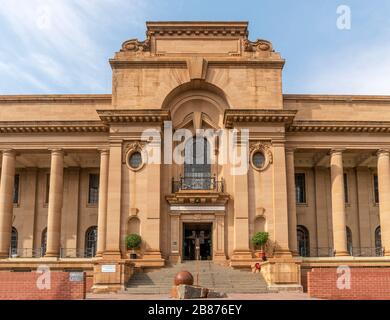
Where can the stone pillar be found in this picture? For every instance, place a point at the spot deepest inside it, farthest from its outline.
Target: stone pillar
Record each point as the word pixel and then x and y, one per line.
pixel 112 250
pixel 219 237
pixel 174 254
pixel 384 198
pixel 56 192
pixel 241 251
pixel 338 203
pixel 281 216
pixel 102 210
pixel 6 201
pixel 292 209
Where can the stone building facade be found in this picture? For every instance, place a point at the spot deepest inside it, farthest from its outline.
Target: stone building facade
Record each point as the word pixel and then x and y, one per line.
pixel 75 179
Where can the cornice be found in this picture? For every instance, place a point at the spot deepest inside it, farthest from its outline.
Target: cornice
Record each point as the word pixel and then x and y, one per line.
pixel 182 63
pixel 142 115
pixel 56 98
pixel 232 117
pixel 336 98
pixel 340 126
pixel 52 126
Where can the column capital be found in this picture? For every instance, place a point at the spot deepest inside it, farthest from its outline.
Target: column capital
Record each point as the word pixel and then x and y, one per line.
pixel 336 151
pixel 104 151
pixel 56 150
pixel 383 152
pixel 8 151
pixel 290 150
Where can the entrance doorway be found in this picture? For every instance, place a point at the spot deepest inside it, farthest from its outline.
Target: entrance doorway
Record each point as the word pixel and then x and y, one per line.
pixel 197 242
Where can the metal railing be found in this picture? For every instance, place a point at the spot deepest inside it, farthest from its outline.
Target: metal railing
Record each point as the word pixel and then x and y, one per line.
pixel 77 252
pixel 353 251
pixel 25 252
pixel 198 183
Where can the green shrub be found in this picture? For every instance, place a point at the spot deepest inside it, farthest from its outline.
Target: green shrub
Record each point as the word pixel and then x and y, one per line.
pixel 133 241
pixel 260 239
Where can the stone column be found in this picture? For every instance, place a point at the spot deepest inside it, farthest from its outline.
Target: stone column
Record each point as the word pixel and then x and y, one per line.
pixel 281 216
pixel 174 255
pixel 6 201
pixel 338 205
pixel 102 210
pixel 56 192
pixel 113 223
pixel 384 198
pixel 291 202
pixel 219 237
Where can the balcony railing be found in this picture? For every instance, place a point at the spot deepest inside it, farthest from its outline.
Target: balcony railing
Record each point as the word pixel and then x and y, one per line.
pixel 198 183
pixel 329 252
pixel 39 252
pixel 26 252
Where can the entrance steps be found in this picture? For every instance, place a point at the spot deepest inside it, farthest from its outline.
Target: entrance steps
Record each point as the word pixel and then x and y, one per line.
pixel 210 275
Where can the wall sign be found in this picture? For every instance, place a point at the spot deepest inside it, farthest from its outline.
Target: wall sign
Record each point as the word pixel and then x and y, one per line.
pixel 106 268
pixel 76 276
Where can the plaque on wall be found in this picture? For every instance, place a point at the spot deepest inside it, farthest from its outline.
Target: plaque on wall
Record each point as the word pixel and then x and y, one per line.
pixel 108 268
pixel 76 276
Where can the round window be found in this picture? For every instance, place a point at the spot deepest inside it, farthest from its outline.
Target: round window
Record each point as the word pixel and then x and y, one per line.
pixel 135 160
pixel 258 160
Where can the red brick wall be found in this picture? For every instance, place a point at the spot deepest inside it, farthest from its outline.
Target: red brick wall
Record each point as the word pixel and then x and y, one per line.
pixel 365 283
pixel 23 286
pixel 89 283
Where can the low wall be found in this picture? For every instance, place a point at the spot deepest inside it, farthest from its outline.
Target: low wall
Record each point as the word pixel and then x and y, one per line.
pixel 37 286
pixel 349 283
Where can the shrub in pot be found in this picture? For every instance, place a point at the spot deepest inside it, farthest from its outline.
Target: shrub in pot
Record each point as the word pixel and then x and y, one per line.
pixel 133 241
pixel 259 240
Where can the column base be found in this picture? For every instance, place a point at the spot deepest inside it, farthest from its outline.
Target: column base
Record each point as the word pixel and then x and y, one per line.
pixel 52 254
pixel 283 253
pixel 150 259
pixel 342 254
pixel 219 257
pixel 241 259
pixel 175 258
pixel 111 255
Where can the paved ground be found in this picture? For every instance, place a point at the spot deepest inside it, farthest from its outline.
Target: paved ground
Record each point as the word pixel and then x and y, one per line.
pixel 231 296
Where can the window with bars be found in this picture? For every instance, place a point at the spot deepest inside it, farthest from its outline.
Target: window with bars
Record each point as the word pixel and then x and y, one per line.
pixel 93 193
pixel 300 188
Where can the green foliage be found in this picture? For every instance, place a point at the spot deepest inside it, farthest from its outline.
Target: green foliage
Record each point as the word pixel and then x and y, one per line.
pixel 260 239
pixel 133 241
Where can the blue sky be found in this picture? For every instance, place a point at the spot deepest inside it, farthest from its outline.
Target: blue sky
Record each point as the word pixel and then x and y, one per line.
pixel 63 46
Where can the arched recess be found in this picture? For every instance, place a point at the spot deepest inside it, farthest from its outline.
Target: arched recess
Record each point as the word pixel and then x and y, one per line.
pixel 303 241
pixel 134 226
pixel 349 241
pixel 196 103
pixel 14 242
pixel 378 242
pixel 260 224
pixel 90 242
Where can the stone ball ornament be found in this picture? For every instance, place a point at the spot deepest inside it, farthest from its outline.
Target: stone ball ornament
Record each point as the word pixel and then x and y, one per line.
pixel 184 277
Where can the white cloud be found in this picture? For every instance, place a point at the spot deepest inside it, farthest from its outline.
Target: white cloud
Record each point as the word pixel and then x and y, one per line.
pixel 60 41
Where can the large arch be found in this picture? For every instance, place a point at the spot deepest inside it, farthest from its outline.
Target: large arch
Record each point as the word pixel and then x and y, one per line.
pixel 196 102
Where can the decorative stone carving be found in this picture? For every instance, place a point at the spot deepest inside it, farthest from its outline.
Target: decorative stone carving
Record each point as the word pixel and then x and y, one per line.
pixel 131 149
pixel 265 149
pixel 258 45
pixel 134 45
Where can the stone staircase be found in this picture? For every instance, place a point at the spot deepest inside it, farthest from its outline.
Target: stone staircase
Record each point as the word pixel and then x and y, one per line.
pixel 213 276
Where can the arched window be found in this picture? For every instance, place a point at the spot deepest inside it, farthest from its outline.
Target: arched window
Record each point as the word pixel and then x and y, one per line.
pixel 349 241
pixel 91 242
pixel 303 241
pixel 44 241
pixel 197 164
pixel 378 241
pixel 14 242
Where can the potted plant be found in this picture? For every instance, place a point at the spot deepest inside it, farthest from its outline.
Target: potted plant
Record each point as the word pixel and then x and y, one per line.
pixel 259 240
pixel 133 241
